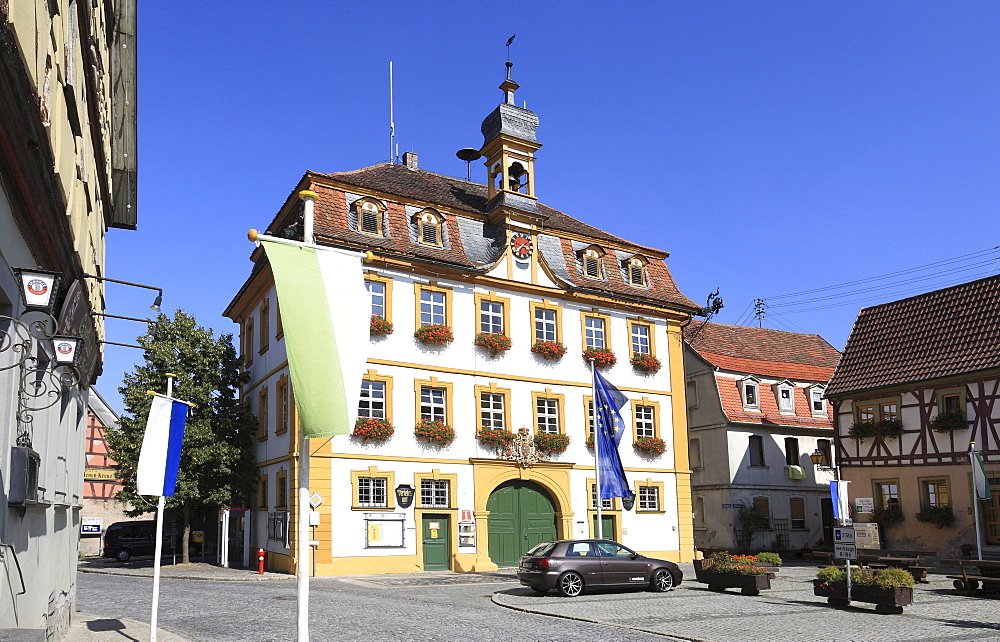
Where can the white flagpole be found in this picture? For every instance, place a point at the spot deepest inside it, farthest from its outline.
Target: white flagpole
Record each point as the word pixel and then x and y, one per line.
pixel 597 441
pixel 975 497
pixel 304 547
pixel 159 541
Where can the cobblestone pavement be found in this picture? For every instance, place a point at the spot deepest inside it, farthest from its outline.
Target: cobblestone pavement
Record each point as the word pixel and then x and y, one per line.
pixel 789 611
pixel 192 571
pixel 492 606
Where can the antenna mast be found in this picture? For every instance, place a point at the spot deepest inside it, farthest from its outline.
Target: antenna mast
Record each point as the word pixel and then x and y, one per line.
pixel 392 124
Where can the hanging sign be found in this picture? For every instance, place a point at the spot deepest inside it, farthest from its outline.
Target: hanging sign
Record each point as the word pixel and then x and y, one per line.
pixel 404 495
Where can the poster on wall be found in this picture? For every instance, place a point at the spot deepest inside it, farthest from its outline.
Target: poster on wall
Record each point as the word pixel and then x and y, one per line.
pixel 384 530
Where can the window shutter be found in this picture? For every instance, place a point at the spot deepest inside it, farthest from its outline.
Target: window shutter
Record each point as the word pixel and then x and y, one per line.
pixel 635 273
pixel 369 222
pixel 591 267
pixel 429 233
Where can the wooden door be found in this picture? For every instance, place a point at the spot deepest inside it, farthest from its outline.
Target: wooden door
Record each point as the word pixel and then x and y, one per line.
pixel 436 537
pixel 521 515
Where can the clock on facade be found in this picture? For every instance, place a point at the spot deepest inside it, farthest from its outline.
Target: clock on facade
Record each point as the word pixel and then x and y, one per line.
pixel 520 245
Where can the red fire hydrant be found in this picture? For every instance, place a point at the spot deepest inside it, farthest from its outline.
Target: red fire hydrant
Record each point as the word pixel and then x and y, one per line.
pixel 260 562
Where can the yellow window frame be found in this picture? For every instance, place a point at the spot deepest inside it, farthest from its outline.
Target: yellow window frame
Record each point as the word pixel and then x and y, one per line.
pixel 262 414
pixel 436 475
pixel 492 389
pixel 651 328
pixel 387 282
pixel 655 405
pixel 264 330
pixel 372 375
pixel 491 297
pixel 374 472
pixel 596 314
pixel 449 398
pixel 282 406
pixel 560 408
pixel 281 498
pixel 649 483
pixel 544 304
pixel 419 288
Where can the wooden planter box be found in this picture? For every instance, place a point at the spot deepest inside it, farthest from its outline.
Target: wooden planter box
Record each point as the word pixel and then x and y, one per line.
pixel 748 584
pixel 886 600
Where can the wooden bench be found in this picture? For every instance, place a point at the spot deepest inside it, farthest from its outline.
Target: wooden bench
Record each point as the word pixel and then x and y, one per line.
pixel 987 578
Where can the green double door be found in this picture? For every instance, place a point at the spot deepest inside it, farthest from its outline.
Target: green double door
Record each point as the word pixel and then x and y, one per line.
pixel 522 514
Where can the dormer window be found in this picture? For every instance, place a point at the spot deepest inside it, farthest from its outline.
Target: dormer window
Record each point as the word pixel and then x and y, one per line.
pixel 817 404
pixel 635 272
pixel 786 397
pixel 750 392
pixel 592 263
pixel 429 228
pixel 370 216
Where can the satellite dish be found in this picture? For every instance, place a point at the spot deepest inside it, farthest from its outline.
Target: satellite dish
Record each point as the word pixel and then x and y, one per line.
pixel 468 154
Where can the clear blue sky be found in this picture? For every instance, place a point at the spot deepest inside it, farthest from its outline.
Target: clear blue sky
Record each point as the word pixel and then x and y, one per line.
pixel 770 147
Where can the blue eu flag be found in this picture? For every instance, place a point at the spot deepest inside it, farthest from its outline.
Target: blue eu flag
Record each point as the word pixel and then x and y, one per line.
pixel 610 426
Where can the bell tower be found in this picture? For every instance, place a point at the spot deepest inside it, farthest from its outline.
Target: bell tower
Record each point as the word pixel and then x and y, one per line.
pixel 509 146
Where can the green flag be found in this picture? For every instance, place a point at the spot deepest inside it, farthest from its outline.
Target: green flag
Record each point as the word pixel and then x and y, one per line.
pixel 325 317
pixel 979 480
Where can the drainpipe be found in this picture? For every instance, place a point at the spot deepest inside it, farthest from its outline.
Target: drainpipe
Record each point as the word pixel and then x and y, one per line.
pixel 308 201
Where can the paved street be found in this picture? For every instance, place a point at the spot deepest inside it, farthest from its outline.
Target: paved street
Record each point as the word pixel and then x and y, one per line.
pixel 450 606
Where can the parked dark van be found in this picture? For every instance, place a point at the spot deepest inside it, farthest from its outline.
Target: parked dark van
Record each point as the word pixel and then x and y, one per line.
pixel 123 540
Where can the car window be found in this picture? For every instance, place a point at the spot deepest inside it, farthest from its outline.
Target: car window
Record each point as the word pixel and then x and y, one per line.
pixel 580 549
pixel 541 549
pixel 610 549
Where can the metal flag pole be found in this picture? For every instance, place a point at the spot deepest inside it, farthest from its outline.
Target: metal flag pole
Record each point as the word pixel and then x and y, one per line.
pixel 159 540
pixel 975 498
pixel 597 447
pixel 302 568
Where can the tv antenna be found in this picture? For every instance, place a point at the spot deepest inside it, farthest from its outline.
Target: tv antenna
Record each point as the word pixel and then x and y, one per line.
pixel 468 154
pixel 392 124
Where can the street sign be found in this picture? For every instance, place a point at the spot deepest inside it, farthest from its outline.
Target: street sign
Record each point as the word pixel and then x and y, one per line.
pixel 845 551
pixel 843 535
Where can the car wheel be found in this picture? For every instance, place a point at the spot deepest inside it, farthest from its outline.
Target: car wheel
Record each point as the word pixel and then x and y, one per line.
pixel 539 589
pixel 662 580
pixel 123 555
pixel 570 585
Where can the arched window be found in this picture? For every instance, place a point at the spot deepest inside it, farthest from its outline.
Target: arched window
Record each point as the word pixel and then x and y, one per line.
pixel 370 216
pixel 591 259
pixel 635 271
pixel 429 228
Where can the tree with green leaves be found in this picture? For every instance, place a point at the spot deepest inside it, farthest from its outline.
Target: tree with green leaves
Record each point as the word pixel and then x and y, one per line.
pixel 217 466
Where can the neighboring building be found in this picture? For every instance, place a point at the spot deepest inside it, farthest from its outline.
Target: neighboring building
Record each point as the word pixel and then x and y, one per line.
pixel 477 258
pixel 931 362
pixel 756 413
pixel 100 483
pixel 67 174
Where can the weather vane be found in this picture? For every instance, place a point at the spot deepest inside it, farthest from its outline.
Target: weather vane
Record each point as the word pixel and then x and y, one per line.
pixel 510 40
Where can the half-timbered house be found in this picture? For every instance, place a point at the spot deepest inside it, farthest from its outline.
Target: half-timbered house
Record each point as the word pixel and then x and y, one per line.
pixel 917 384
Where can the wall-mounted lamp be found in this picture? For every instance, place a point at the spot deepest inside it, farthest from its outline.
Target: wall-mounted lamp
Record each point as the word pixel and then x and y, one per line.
pixel 159 291
pixel 38 288
pixel 819 458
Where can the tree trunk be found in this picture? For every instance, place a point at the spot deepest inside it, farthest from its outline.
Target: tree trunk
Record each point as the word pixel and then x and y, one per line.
pixel 186 535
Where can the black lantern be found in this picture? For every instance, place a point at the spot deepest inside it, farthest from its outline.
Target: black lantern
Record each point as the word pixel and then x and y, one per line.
pixel 38 288
pixel 65 349
pixel 404 495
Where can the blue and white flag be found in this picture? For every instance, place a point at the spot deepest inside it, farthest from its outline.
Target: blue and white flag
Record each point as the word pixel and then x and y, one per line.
pixel 841 503
pixel 610 426
pixel 160 456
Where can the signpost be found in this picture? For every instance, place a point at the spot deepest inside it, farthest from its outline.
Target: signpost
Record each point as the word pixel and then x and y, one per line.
pixel 844 548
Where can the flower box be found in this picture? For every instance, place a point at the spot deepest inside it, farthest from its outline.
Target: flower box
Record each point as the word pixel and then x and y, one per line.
pixel 549 350
pixel 372 430
pixel 886 517
pixel 650 446
pixel 436 433
pixel 940 516
pixel 950 421
pixel 886 429
pixel 602 357
pixel 748 584
pixel 493 342
pixel 379 326
pixel 435 334
pixel 886 600
pixel 645 363
pixel 551 443
pixel 495 439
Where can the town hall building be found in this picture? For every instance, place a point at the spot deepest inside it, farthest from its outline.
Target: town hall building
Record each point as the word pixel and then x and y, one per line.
pixel 483 304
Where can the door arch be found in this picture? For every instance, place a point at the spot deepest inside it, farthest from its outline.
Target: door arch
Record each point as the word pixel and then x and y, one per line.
pixel 522 514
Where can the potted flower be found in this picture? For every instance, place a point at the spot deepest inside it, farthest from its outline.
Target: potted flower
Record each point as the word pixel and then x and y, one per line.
pixel 495 438
pixel 602 357
pixel 372 430
pixel 889 589
pixel 434 334
pixel 722 570
pixel 434 432
pixel 950 421
pixel 590 441
pixel 551 443
pixel 549 350
pixel 886 429
pixel 650 446
pixel 940 516
pixel 890 516
pixel 645 363
pixel 771 562
pixel 494 342
pixel 379 326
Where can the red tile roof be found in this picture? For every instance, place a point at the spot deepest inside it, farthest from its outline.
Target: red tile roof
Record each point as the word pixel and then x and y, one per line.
pixel 762 351
pixel 732 405
pixel 947 332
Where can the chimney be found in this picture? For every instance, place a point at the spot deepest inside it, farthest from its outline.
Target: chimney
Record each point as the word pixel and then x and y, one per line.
pixel 410 160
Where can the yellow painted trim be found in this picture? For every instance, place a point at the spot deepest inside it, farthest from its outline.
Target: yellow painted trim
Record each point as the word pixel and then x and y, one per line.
pixel 371 275
pixel 448 397
pixel 544 304
pixel 263 415
pixel 656 416
pixel 560 407
pixel 307 193
pixel 437 475
pixel 492 297
pixel 282 398
pixel 583 328
pixel 651 328
pixel 246 340
pixel 678 404
pixel 372 375
pixel 452 514
pixel 660 496
pixel 588 419
pixel 264 329
pixel 276 460
pixel 382 208
pixel 493 389
pixel 431 287
pixel 280 503
pixel 438 221
pixel 373 471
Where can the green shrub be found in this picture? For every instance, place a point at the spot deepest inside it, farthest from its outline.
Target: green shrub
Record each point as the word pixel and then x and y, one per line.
pixel 831 574
pixel 893 578
pixel 771 559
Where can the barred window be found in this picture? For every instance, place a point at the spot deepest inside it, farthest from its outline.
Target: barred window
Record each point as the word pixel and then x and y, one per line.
pixel 434 493
pixel 432 404
pixel 649 498
pixel 491 411
pixel 372 492
pixel 606 504
pixel 547 415
pixel 645 421
pixel 372 402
